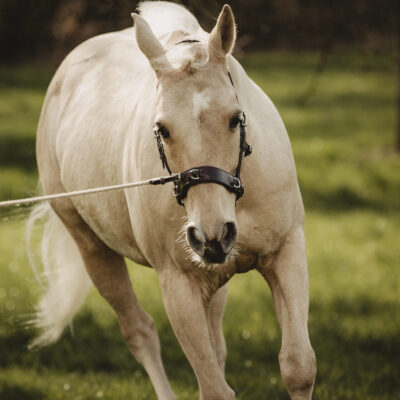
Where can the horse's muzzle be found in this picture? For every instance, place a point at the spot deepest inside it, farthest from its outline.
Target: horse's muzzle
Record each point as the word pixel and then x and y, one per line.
pixel 212 250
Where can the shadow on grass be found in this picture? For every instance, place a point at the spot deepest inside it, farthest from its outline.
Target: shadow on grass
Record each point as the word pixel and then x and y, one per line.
pixel 354 348
pixel 327 322
pixel 17 151
pixel 16 392
pixel 345 356
pixel 343 199
pixel 90 348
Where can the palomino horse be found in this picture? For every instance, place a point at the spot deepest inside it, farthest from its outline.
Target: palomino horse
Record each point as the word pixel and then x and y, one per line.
pixel 166 83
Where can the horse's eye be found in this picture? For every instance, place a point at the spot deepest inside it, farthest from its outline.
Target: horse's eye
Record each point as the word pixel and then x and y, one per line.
pixel 234 121
pixel 162 130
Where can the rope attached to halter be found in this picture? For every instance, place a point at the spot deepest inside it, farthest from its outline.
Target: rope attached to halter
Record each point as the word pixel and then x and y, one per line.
pixel 29 200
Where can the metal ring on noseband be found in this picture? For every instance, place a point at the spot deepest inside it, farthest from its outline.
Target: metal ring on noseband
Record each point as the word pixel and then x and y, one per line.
pixel 183 181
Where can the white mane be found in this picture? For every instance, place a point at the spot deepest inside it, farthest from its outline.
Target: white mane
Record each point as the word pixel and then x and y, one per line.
pixel 169 20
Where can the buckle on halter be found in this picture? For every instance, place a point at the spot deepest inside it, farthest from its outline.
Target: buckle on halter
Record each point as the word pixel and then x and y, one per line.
pixel 236 183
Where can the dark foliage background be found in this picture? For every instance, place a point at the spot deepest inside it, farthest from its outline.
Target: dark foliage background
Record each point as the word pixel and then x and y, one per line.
pixel 36 29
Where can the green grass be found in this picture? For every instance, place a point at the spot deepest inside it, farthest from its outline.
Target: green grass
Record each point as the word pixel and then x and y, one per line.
pixel 349 176
pixel 21 96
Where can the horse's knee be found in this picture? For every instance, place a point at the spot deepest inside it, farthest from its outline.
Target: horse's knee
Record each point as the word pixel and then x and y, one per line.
pixel 298 369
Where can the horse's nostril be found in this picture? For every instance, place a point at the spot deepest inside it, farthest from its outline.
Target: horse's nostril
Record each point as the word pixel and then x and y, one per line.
pixel 195 239
pixel 228 236
pixel 212 250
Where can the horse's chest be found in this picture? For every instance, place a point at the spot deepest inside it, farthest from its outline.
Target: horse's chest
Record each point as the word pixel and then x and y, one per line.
pixel 261 230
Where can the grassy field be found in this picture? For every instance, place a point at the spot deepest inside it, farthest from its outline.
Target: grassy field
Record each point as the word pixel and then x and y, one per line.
pixel 350 180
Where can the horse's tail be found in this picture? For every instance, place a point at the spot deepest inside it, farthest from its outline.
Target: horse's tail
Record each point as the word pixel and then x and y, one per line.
pixel 64 280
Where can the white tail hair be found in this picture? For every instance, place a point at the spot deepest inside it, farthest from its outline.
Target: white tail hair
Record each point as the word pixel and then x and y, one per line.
pixel 66 282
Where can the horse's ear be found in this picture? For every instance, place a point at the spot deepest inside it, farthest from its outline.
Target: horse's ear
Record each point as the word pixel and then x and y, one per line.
pixel 148 43
pixel 223 36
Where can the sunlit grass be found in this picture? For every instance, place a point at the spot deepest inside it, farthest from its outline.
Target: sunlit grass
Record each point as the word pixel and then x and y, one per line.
pixel 349 175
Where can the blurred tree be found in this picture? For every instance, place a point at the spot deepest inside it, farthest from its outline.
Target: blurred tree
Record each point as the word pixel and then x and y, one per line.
pixel 49 29
pixel 24 28
pixel 29 28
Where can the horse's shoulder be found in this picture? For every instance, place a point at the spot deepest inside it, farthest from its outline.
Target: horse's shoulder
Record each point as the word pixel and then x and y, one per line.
pixel 99 52
pixel 107 62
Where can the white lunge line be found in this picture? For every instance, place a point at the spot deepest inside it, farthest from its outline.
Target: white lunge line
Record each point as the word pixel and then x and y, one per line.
pixel 29 200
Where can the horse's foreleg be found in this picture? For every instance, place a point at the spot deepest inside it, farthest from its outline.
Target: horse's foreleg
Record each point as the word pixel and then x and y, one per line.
pixel 288 279
pixel 183 296
pixel 110 276
pixel 215 316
